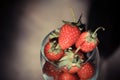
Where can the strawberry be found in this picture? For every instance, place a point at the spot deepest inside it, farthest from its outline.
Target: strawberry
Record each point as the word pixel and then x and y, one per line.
pixel 70 62
pixel 52 51
pixel 83 79
pixel 86 71
pixel 72 70
pixel 68 35
pixel 67 76
pixel 87 41
pixel 50 69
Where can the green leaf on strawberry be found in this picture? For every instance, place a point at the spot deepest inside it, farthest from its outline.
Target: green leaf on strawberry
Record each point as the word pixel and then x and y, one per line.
pixel 54 34
pixel 55 47
pixel 70 60
pixel 78 23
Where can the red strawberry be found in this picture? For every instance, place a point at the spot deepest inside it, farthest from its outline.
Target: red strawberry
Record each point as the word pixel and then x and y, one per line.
pixel 72 70
pixel 86 71
pixel 67 76
pixel 88 41
pixel 53 51
pixel 50 70
pixel 68 35
pixel 83 79
pixel 70 62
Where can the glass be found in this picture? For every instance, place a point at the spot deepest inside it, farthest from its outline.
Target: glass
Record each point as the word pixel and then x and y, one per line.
pixel 93 57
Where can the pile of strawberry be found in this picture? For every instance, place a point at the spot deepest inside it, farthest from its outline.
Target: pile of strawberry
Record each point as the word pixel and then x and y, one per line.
pixel 67 48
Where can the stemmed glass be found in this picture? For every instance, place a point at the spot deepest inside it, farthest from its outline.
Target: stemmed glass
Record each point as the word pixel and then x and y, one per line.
pixel 93 58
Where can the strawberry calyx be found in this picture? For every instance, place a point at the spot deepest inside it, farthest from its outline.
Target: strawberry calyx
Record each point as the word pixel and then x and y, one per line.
pixel 55 47
pixel 92 36
pixel 69 60
pixel 54 34
pixel 79 24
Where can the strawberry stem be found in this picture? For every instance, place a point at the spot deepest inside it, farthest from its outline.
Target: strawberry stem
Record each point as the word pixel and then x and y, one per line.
pixel 79 21
pixel 77 50
pixel 66 22
pixel 73 14
pixel 95 32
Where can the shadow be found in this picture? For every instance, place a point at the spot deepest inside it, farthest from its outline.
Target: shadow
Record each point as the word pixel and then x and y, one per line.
pixel 104 13
pixel 9 32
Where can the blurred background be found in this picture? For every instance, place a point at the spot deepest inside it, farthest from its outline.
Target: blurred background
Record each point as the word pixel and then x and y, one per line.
pixel 24 23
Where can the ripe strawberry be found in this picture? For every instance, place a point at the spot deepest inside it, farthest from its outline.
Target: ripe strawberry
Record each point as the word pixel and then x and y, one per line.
pixel 50 70
pixel 68 35
pixel 67 76
pixel 53 51
pixel 72 70
pixel 83 79
pixel 70 62
pixel 88 41
pixel 86 71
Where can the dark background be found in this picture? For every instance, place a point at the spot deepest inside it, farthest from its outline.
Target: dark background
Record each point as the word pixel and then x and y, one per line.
pixel 102 12
pixel 105 13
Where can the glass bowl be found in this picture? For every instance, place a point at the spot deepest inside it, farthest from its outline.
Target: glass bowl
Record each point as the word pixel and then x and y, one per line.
pixel 93 58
